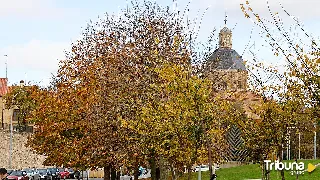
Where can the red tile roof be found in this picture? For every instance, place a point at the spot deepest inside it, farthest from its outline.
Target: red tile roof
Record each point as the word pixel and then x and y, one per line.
pixel 3 86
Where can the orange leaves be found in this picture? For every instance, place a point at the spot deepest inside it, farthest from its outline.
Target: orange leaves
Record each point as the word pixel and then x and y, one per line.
pixel 103 108
pixel 258 18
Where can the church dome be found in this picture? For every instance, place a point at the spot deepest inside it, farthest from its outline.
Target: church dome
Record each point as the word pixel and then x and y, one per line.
pixel 225 58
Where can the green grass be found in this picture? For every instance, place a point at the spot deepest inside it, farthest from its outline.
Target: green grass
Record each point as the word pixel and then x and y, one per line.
pixel 253 171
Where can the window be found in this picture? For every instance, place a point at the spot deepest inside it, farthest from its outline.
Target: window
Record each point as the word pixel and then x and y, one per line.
pixel 222 86
pixel 240 85
pixel 15 115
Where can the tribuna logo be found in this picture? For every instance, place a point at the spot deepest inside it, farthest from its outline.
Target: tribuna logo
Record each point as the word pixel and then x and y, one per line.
pixel 294 167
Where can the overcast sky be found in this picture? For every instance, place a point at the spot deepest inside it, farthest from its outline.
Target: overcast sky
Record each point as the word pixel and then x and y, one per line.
pixel 35 33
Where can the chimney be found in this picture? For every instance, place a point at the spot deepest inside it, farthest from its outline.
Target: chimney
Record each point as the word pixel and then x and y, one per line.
pixel 21 83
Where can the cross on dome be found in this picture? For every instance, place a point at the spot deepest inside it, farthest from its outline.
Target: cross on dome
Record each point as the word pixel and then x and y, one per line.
pixel 225 19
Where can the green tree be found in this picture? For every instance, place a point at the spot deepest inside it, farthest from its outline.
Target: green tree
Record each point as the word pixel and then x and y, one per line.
pixel 20 97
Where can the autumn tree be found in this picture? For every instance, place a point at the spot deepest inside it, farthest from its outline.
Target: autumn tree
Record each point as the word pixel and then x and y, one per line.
pixel 90 116
pixel 183 119
pixel 292 100
pixel 19 97
pixel 302 60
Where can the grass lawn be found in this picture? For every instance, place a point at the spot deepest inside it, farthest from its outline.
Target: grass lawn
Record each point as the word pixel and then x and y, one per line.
pixel 253 171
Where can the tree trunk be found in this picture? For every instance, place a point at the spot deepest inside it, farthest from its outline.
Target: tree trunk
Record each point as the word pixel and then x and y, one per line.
pixel 189 172
pixel 268 174
pixel 158 173
pixel 113 173
pixel 136 172
pixel 280 160
pixel 106 171
pixel 163 170
pixel 263 168
pixel 209 149
pixel 209 156
pixel 118 175
pixel 297 176
pixel 153 167
pixel 282 175
pixel 172 173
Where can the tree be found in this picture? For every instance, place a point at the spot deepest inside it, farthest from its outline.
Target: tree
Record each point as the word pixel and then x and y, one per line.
pixel 302 59
pixel 20 97
pixel 294 102
pixel 104 84
pixel 183 119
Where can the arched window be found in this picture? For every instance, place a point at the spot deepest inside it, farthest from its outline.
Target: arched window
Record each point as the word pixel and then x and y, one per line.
pixel 240 86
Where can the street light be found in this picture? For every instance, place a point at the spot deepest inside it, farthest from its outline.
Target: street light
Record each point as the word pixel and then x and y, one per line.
pixel 11 137
pixel 6 65
pixel 299 145
pixel 199 172
pixel 11 128
pixel 315 140
pixel 289 142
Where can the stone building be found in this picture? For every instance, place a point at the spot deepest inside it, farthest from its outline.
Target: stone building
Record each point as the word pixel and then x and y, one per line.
pixel 226 69
pixel 225 66
pixel 5 113
pixel 22 157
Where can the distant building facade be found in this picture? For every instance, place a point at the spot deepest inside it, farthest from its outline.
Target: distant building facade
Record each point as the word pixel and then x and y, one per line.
pixel 7 113
pixel 225 66
pixel 226 69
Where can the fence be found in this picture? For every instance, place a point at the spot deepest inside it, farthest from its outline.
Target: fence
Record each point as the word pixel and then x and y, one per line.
pixel 301 145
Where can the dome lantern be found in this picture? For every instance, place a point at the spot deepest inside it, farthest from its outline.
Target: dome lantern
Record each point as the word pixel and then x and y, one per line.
pixel 225 36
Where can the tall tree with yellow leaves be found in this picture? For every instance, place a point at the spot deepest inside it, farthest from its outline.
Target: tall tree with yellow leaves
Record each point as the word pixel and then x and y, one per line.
pixel 91 116
pixel 297 98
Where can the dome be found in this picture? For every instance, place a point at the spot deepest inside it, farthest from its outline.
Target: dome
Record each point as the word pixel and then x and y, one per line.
pixel 225 58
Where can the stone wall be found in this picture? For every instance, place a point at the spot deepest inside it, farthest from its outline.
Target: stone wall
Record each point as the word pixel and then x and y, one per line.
pixel 22 157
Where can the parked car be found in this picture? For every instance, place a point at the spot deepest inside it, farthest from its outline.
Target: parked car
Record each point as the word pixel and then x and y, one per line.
pixel 64 174
pixel 71 173
pixel 203 168
pixel 9 171
pixel 54 172
pixel 18 175
pixel 44 174
pixel 32 174
pixel 77 174
pixel 83 174
pixel 206 168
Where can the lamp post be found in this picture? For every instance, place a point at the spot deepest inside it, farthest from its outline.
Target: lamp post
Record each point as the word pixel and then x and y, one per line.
pixel 289 143
pixel 315 140
pixel 299 145
pixel 289 151
pixel 11 137
pixel 10 146
pixel 6 65
pixel 282 151
pixel 199 171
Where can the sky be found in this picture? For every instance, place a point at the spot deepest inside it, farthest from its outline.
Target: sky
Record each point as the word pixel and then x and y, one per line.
pixel 35 33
